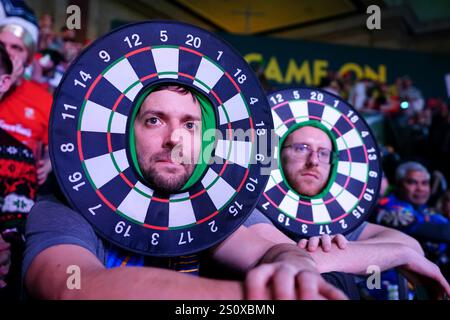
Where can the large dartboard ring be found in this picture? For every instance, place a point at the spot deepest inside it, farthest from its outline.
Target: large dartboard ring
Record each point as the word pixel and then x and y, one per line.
pixel 354 181
pixel 89 142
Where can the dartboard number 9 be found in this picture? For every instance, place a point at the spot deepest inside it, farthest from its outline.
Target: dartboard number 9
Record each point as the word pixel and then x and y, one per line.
pixel 327 176
pixel 91 148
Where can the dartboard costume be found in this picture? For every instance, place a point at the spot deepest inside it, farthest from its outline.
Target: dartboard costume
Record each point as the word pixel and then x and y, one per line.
pixel 353 184
pixel 91 146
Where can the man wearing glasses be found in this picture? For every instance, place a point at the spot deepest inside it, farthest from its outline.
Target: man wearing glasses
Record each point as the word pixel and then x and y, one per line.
pixel 306 159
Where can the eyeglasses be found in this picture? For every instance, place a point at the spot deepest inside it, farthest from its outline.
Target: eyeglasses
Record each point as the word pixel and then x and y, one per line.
pixel 303 151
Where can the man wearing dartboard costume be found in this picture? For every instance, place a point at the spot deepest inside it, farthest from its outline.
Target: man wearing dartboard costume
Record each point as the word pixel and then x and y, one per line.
pixel 307 156
pixel 160 113
pixel 139 223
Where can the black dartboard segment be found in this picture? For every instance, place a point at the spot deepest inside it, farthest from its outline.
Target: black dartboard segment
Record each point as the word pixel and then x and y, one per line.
pixel 353 187
pixel 89 138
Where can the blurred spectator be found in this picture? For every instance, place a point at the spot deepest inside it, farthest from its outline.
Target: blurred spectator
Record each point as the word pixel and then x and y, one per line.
pixel 24 114
pixel 25 108
pixel 46 35
pixel 443 204
pixel 406 210
pixel 17 194
pixel 358 94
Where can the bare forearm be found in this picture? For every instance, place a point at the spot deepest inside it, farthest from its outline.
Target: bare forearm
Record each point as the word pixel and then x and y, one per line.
pixel 357 257
pixel 374 234
pixel 150 283
pixel 289 252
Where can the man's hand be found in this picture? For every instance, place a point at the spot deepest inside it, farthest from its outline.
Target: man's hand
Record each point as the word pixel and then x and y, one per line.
pixel 44 167
pixel 286 282
pixel 5 261
pixel 324 241
pixel 420 270
pixel 286 272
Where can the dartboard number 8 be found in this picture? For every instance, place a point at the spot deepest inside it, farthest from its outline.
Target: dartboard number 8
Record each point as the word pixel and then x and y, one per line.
pixel 328 173
pixel 92 144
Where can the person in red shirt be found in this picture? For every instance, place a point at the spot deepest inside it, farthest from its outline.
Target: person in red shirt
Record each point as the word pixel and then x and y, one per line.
pixel 25 108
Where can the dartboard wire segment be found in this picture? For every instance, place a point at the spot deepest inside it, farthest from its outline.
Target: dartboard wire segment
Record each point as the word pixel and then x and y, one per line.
pixel 90 144
pixel 354 180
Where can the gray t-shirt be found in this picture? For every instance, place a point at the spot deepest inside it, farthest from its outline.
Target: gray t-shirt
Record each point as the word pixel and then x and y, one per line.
pixel 51 223
pixel 258 217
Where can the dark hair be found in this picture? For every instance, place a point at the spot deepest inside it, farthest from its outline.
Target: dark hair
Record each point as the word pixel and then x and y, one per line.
pixel 6 66
pixel 175 87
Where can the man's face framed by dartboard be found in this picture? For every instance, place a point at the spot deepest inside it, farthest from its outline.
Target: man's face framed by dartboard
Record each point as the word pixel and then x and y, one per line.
pixel 307 160
pixel 168 131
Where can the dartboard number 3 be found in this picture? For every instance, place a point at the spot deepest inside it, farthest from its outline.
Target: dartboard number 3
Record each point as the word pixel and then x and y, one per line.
pixel 123 229
pixel 76 178
pixel 84 78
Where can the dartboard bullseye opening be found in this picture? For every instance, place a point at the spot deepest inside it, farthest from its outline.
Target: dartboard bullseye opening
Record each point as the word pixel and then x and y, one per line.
pixel 90 143
pixel 200 146
pixel 352 189
pixel 333 164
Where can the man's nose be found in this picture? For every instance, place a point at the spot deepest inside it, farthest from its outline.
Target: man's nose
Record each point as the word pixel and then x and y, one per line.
pixel 313 159
pixel 173 137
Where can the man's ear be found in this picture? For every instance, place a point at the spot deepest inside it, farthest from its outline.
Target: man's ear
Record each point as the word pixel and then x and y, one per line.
pixel 5 83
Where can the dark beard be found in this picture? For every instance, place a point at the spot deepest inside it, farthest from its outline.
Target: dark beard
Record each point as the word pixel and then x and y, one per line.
pixel 163 184
pixel 160 183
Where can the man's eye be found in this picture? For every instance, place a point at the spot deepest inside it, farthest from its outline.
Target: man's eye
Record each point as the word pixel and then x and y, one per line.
pixel 300 148
pixel 152 121
pixel 18 49
pixel 190 125
pixel 324 154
